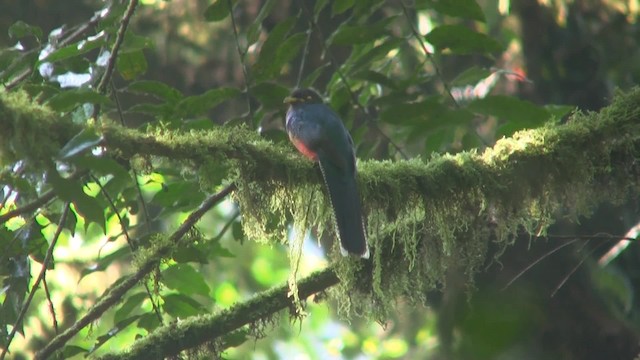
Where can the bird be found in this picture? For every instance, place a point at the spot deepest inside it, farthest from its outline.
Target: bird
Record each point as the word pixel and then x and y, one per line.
pixel 319 134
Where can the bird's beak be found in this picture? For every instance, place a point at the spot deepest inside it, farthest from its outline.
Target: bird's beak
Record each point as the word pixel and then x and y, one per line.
pixel 290 100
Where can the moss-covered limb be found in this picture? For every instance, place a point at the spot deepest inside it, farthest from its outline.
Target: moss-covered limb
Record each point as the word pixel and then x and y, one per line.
pixel 171 339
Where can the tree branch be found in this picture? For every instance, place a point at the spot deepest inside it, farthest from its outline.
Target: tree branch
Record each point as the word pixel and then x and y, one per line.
pixel 171 339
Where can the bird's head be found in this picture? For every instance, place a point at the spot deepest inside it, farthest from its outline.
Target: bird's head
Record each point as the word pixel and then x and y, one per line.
pixel 303 96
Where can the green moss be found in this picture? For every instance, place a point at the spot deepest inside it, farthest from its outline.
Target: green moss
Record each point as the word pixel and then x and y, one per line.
pixel 30 131
pixel 423 217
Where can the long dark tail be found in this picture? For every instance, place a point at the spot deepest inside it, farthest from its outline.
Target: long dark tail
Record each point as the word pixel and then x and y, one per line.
pixel 345 200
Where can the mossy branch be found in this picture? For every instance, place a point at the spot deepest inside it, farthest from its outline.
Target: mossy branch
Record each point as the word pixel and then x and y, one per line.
pixel 423 217
pixel 171 339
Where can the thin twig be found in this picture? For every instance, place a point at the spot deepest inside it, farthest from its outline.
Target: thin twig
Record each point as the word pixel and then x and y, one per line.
pixel 116 293
pixel 112 204
pixel 111 62
pixel 32 206
pixel 36 284
pixel 305 52
pixel 544 256
pixel 145 211
pixel 242 54
pixel 52 309
pixel 115 49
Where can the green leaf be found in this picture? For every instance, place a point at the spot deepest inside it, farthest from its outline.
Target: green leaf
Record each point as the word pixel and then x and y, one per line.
pixel 163 111
pixel 71 350
pixel 269 66
pixel 253 32
pixel 466 9
pixel 75 49
pixel 319 5
pixel 471 76
pixel 199 104
pixel 275 39
pixel 185 279
pixel 86 206
pixel 359 34
pixel 156 88
pixel 122 254
pixel 376 77
pixel 270 95
pixel 20 29
pixel 70 99
pixel 235 338
pixel 131 64
pixel 134 43
pixel 101 165
pixel 375 53
pixel 179 194
pixel 132 303
pixel 460 39
pixel 559 111
pixel 519 114
pixel 217 11
pixel 117 328
pixel 182 306
pixel 411 113
pixel 85 140
pixel 341 6
pixel 149 322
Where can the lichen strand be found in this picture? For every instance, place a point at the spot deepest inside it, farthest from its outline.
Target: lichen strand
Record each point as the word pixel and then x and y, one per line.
pixel 268 206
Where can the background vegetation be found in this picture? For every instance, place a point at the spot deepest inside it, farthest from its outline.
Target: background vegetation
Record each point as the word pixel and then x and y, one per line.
pixel 149 192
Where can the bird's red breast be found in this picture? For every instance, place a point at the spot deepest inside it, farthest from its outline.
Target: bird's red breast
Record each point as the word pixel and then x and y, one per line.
pixel 312 155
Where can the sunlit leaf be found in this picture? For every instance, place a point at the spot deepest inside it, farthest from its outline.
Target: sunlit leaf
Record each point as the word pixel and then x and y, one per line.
pixel 117 328
pixel 185 279
pixel 460 39
pixel 131 64
pixel 179 194
pixel 182 306
pixel 132 303
pixel 71 350
pixel 84 141
pixel 86 206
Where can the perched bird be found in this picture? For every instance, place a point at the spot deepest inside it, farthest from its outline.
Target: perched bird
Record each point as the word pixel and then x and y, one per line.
pixel 318 133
